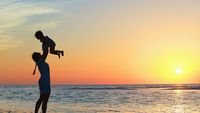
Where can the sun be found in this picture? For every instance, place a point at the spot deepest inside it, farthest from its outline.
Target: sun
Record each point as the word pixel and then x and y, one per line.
pixel 179 71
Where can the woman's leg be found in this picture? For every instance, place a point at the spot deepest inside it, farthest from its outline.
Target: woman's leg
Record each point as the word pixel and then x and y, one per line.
pixel 45 101
pixel 38 103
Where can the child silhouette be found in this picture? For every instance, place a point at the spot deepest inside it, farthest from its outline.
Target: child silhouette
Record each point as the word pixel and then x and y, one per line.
pixel 48 43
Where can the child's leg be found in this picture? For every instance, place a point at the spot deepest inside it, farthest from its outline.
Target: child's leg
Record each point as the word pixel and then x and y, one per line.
pixel 55 52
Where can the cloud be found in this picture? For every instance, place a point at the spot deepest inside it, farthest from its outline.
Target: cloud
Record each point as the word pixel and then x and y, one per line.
pixel 13 14
pixel 42 25
pixel 8 42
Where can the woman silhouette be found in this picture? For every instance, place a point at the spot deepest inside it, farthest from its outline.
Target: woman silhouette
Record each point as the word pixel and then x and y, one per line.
pixel 44 81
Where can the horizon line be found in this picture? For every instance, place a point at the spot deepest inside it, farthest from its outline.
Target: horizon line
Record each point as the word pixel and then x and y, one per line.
pixel 101 84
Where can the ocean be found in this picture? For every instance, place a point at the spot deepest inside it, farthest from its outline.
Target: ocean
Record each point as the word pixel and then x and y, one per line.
pixel 151 98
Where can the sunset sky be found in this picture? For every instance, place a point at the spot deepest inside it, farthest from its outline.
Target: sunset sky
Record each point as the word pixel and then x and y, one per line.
pixel 105 41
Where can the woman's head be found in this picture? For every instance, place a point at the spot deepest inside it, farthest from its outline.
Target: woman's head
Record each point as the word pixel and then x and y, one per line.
pixel 36 56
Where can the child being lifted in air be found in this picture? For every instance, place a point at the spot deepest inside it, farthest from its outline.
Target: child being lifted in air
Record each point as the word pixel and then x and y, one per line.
pixel 48 45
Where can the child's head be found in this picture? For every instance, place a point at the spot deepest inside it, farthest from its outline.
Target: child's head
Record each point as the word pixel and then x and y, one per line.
pixel 36 56
pixel 39 34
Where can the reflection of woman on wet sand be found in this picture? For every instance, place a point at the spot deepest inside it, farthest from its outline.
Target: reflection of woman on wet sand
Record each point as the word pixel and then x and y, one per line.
pixel 44 82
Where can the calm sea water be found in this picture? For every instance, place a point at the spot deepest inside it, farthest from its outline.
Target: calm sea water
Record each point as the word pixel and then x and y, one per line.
pixel 105 99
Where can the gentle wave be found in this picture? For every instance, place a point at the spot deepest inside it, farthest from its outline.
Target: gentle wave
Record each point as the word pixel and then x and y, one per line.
pixel 110 87
pixel 133 87
pixel 105 98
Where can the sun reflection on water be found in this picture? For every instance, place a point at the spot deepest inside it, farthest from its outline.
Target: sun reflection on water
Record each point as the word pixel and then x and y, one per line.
pixel 178 108
pixel 178 92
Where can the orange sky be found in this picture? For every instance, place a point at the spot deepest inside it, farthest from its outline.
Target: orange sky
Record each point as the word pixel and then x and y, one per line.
pixel 105 42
